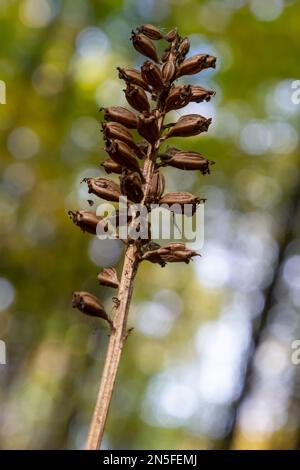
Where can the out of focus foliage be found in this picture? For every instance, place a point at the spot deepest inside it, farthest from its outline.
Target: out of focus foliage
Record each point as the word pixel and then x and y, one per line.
pixel 182 378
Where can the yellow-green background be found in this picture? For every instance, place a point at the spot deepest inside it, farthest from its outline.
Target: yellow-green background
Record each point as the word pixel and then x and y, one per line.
pixel 183 365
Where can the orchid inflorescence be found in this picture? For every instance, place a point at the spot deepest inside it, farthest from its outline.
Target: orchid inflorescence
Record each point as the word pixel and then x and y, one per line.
pixel 139 164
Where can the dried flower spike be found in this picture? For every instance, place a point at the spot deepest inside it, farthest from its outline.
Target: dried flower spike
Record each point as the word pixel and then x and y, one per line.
pixel 142 182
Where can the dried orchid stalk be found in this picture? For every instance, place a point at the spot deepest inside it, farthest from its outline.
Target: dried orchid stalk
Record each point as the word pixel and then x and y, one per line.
pixel 144 183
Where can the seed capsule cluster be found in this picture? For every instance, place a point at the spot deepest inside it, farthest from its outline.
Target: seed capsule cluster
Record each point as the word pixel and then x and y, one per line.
pixel 151 92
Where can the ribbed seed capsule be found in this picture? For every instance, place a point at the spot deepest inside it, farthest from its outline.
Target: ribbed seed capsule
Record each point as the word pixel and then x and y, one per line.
pixel 172 253
pixel 121 115
pixel 115 130
pixel 137 98
pixel 189 125
pixel 168 70
pixel 131 185
pixel 90 305
pixel 104 188
pixel 180 199
pixel 111 167
pixel 108 278
pixel 199 94
pixel 132 76
pixel 195 64
pixel 152 32
pixel 152 75
pixel 145 46
pixel 166 54
pixel 178 97
pixel 148 127
pixel 86 220
pixel 171 35
pixel 156 187
pixel 185 160
pixel 183 48
pixel 122 154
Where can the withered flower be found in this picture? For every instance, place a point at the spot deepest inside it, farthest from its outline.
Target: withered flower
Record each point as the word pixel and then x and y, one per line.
pixel 121 115
pixel 152 32
pixel 172 253
pixel 115 130
pixel 90 305
pixel 131 185
pixel 108 278
pixel 86 220
pixel 145 46
pixel 137 98
pixel 104 188
pixel 189 125
pixel 199 94
pixel 151 74
pixel 156 187
pixel 148 127
pixel 171 35
pixel 183 48
pixel 111 167
pixel 179 200
pixel 195 64
pixel 122 154
pixel 178 97
pixel 168 70
pixel 132 76
pixel 186 160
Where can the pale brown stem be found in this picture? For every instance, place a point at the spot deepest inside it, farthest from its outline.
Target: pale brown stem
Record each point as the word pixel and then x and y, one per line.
pixel 119 331
pixel 115 346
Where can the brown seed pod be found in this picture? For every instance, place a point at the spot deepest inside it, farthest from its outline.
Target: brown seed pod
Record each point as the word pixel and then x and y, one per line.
pixel 148 127
pixel 145 46
pixel 90 305
pixel 132 76
pixel 171 35
pixel 199 94
pixel 86 220
pixel 168 71
pixel 104 188
pixel 122 154
pixel 111 167
pixel 186 160
pixel 183 48
pixel 137 98
pixel 178 97
pixel 115 130
pixel 167 53
pixel 108 278
pixel 131 185
pixel 189 125
pixel 156 188
pixel 180 199
pixel 172 253
pixel 152 32
pixel 152 75
pixel 195 64
pixel 121 115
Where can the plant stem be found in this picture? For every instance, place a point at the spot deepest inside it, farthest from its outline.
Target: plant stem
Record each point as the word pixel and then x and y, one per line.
pixel 114 351
pixel 119 331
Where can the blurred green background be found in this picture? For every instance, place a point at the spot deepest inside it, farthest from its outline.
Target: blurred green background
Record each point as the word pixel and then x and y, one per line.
pixel 209 364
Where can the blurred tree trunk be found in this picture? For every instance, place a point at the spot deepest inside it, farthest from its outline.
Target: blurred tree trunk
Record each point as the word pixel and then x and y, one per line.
pixel 289 225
